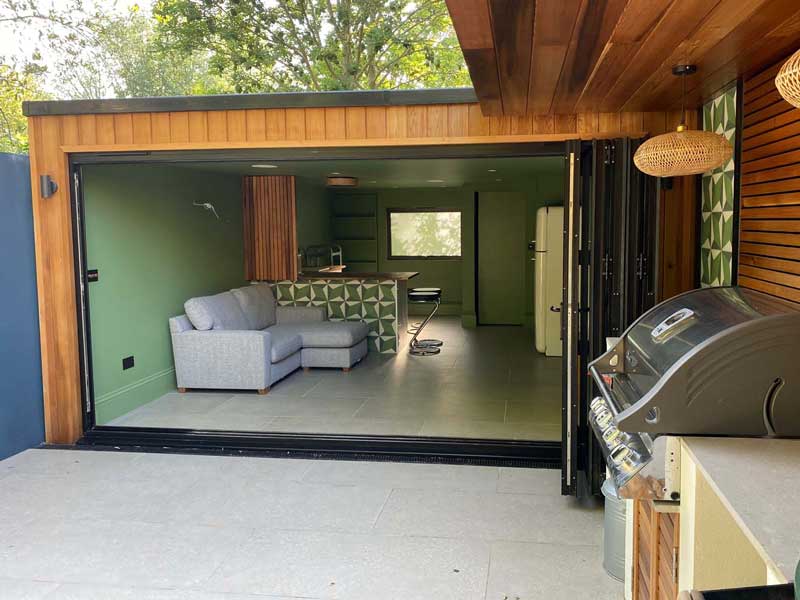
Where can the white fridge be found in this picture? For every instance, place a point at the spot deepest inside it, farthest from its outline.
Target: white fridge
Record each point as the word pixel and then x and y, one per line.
pixel 548 279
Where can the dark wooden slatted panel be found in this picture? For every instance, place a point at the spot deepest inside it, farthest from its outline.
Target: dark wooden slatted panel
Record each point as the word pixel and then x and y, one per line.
pixel 613 55
pixel 270 228
pixel 769 253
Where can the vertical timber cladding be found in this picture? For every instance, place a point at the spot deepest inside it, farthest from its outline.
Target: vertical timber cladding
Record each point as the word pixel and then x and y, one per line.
pixel 270 227
pixel 54 137
pixel 769 251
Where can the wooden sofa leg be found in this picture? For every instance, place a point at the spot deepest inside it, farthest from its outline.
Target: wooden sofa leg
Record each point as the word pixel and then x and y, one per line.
pixel 181 390
pixel 263 391
pixel 346 369
pixel 306 369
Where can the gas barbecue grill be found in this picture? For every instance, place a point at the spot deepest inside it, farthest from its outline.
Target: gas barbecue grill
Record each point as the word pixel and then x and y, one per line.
pixel 716 361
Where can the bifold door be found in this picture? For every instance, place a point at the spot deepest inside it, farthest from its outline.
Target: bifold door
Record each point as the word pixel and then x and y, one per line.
pixel 610 229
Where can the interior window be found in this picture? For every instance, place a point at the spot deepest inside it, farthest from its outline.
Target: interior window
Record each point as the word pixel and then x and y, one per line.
pixel 426 233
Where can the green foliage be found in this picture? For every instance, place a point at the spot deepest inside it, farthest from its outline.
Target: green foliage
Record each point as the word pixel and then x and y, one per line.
pixel 16 84
pixel 127 56
pixel 319 45
pixel 426 233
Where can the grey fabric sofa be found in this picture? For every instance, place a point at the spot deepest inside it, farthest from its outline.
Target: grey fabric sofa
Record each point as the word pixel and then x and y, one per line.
pixel 242 340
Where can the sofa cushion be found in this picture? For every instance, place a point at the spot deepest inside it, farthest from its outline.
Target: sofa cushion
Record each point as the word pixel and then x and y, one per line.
pixel 331 334
pixel 220 311
pixel 285 342
pixel 257 303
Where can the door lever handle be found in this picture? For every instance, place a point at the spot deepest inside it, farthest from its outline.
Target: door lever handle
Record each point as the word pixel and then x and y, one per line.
pixel 555 309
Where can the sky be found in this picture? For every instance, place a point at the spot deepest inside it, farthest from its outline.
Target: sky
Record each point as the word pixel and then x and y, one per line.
pixel 20 43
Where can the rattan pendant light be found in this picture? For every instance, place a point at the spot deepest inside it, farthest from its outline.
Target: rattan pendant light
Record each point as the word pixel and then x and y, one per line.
pixel 788 80
pixel 684 151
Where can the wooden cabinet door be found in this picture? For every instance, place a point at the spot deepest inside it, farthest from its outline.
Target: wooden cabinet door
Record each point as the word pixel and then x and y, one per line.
pixel 655 552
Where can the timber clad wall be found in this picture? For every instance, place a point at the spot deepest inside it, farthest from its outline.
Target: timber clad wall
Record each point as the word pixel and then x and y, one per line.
pixel 335 126
pixel 270 228
pixel 54 137
pixel 769 253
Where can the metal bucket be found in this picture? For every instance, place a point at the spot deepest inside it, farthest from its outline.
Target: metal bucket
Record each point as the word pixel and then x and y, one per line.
pixel 614 532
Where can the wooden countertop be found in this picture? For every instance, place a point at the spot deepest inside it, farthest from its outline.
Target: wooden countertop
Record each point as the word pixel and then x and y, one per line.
pixel 757 480
pixel 394 275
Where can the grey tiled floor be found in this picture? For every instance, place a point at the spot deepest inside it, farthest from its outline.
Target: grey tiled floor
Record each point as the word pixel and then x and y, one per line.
pixel 487 382
pixel 83 525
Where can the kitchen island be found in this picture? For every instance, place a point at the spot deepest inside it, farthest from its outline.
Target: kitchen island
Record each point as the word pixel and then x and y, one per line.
pixel 380 299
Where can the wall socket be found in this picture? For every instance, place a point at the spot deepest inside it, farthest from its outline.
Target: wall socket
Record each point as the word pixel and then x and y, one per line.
pixel 127 363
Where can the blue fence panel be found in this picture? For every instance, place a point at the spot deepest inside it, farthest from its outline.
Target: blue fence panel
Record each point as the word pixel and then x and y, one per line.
pixel 21 410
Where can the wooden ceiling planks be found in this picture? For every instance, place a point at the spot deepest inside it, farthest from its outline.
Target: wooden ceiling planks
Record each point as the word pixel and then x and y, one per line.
pixel 553 24
pixel 595 25
pixel 590 56
pixel 473 25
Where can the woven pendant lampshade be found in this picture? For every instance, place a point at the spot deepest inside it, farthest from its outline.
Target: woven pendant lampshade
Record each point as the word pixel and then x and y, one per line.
pixel 684 151
pixel 788 80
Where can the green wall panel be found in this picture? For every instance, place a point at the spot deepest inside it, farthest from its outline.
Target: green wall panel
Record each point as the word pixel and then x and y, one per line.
pixel 313 214
pixel 153 251
pixel 717 202
pixel 370 300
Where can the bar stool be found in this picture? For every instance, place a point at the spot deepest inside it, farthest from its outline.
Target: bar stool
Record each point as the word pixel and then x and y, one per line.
pixel 416 346
pixel 415 325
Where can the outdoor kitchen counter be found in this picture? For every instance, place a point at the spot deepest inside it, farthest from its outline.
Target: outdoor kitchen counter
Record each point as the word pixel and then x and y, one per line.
pixel 739 511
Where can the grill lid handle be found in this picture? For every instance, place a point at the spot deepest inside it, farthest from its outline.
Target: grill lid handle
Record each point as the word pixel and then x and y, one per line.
pixel 674 323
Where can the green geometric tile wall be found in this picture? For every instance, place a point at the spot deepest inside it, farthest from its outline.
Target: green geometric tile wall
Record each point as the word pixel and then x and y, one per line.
pixel 716 229
pixel 373 301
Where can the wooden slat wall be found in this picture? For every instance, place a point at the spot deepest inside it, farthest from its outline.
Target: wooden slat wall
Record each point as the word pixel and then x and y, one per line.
pixel 270 227
pixel 769 251
pixel 655 550
pixel 321 127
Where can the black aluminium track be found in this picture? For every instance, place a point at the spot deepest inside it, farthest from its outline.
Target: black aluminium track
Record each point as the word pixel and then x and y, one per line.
pixel 510 150
pixel 520 453
pixel 243 101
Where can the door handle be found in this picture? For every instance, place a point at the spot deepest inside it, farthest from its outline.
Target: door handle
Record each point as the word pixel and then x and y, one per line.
pixel 555 308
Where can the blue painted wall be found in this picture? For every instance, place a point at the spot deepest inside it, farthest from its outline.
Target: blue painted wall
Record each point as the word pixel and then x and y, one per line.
pixel 21 411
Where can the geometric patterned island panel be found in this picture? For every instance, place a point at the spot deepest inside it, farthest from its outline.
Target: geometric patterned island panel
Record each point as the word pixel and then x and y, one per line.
pixel 716 228
pixel 373 301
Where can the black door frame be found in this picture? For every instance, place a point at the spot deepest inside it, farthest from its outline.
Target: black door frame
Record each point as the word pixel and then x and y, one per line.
pixel 467 450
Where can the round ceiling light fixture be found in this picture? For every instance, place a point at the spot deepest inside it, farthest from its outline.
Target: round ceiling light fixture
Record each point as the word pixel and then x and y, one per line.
pixel 788 80
pixel 683 151
pixel 341 181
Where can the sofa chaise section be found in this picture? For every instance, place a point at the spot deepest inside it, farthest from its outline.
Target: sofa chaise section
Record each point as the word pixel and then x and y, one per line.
pixel 241 339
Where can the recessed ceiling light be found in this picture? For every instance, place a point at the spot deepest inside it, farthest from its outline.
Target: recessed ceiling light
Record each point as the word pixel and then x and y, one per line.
pixel 264 166
pixel 498 180
pixel 435 180
pixel 372 182
pixel 336 173
pixel 492 170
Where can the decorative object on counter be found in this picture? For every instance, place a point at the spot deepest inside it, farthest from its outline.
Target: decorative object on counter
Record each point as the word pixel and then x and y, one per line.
pixel 788 80
pixel 683 151
pixel 373 301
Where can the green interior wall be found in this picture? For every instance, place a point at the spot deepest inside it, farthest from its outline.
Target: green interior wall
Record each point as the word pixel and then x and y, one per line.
pixel 359 219
pixel 313 213
pixel 454 275
pixel 718 197
pixel 153 250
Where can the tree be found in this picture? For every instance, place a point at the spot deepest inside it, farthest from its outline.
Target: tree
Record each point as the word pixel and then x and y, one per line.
pixel 319 45
pixel 16 84
pixel 126 56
